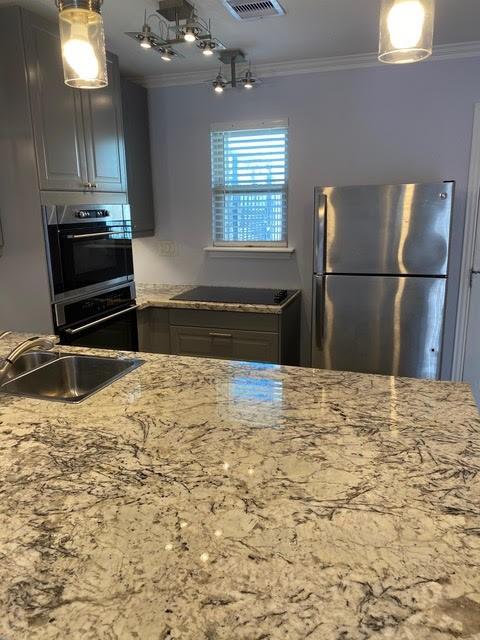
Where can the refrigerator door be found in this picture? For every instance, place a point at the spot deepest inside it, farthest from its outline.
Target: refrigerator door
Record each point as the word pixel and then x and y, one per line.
pixel 390 229
pixel 378 324
pixel 319 231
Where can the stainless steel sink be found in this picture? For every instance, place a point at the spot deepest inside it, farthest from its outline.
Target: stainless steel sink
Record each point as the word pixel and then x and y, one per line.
pixel 29 361
pixel 68 377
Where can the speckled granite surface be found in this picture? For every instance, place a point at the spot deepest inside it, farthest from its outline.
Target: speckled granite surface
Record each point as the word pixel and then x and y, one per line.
pixel 212 500
pixel 160 295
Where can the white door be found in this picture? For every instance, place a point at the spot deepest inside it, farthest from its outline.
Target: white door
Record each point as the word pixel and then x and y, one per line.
pixel 471 367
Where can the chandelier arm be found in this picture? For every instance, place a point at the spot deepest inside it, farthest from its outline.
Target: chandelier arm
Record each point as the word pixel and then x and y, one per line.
pixel 161 23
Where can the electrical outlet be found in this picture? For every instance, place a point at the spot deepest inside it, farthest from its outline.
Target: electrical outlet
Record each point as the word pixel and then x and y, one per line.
pixel 167 248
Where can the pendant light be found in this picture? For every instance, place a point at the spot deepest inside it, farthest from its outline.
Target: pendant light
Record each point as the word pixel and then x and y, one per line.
pixel 83 43
pixel 406 30
pixel 207 47
pixel 248 79
pixel 219 83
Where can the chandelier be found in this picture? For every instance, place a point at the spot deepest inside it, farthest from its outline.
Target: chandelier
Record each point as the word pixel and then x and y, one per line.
pixel 177 24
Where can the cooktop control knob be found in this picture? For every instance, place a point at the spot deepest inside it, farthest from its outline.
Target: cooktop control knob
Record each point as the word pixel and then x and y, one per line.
pixel 102 213
pixel 83 214
pixel 280 295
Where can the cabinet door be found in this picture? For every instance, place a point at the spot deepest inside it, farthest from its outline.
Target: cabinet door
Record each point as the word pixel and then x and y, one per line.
pixel 153 330
pixel 104 141
pixel 137 150
pixel 227 344
pixel 56 110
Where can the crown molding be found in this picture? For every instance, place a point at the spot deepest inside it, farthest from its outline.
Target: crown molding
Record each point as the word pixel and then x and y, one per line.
pixel 312 65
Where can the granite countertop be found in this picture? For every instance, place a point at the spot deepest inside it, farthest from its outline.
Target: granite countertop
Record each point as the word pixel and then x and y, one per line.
pixel 160 295
pixel 211 500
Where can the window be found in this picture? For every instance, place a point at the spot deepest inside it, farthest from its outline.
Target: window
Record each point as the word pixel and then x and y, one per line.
pixel 250 184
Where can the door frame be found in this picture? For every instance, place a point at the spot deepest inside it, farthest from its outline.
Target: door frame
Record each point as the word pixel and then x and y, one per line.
pixel 468 251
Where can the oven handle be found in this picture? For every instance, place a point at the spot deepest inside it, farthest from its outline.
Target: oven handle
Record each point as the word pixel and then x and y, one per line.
pixel 93 235
pixel 72 332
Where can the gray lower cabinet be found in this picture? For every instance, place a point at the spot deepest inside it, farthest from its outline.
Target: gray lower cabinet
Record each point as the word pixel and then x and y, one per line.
pixel 231 344
pixel 78 134
pixel 153 330
pixel 231 335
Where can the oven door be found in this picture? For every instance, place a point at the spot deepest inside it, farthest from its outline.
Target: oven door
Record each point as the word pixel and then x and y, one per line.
pixel 116 330
pixel 94 254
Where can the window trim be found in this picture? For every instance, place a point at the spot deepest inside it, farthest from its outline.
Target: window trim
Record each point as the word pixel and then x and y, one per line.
pixel 269 253
pixel 245 126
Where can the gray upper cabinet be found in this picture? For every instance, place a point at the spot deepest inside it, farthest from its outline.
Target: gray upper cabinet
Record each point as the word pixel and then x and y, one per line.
pixel 105 145
pixel 78 133
pixel 137 148
pixel 56 110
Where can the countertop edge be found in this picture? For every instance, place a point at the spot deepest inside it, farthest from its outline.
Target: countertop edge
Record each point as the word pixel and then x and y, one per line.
pixel 147 299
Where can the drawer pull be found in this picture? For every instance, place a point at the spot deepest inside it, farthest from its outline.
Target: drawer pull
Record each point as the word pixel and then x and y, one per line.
pixel 214 334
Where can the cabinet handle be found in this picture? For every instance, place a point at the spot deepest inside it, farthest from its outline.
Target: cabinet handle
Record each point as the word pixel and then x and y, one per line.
pixel 214 334
pixel 93 185
pixel 87 185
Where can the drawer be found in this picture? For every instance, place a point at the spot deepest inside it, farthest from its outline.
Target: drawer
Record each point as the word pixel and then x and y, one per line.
pixel 225 319
pixel 230 344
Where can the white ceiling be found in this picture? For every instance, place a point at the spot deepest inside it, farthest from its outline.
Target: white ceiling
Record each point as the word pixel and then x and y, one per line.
pixel 310 29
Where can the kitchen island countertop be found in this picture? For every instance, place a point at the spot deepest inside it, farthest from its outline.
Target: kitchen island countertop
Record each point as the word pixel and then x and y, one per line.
pixel 212 500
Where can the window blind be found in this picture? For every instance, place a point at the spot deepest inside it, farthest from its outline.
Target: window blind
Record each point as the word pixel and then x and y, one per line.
pixel 249 186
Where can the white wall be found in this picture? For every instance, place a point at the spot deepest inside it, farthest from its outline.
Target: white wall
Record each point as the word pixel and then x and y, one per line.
pixel 366 126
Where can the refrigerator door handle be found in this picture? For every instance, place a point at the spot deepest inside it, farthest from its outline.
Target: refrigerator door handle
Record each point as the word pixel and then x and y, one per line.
pixel 319 232
pixel 319 307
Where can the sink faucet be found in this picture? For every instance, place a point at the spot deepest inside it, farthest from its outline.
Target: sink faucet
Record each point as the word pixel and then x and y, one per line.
pixel 20 349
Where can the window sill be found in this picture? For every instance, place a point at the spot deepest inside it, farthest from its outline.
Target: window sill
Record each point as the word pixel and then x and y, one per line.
pixel 282 253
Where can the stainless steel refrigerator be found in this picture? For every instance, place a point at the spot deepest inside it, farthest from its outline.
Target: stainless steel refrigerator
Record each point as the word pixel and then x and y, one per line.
pixel 380 277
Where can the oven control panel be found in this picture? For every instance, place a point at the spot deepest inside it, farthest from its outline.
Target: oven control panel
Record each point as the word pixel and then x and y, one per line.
pixel 92 213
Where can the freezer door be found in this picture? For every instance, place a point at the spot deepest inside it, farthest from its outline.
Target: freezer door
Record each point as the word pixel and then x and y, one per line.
pixel 379 324
pixel 393 229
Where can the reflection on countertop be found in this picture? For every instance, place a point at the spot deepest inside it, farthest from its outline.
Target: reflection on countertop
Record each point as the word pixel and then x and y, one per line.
pixel 159 509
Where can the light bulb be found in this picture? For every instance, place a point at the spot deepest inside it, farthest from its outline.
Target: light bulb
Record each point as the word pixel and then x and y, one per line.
pixel 248 80
pixel 145 44
pixel 166 56
pixel 406 30
pixel 207 52
pixel 219 88
pixel 81 57
pixel 189 35
pixel 83 48
pixel 405 24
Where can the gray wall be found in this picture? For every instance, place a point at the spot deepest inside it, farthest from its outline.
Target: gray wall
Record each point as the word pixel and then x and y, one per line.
pixel 377 125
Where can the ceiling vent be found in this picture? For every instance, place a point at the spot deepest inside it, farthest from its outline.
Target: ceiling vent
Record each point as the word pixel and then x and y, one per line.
pixel 253 10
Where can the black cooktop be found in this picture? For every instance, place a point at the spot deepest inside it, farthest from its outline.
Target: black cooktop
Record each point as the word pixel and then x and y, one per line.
pixel 239 295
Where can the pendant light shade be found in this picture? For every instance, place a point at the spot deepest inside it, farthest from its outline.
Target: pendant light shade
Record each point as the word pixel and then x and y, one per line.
pixel 406 30
pixel 83 44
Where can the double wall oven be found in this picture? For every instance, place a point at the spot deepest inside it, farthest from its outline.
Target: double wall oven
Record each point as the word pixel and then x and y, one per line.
pixel 91 275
